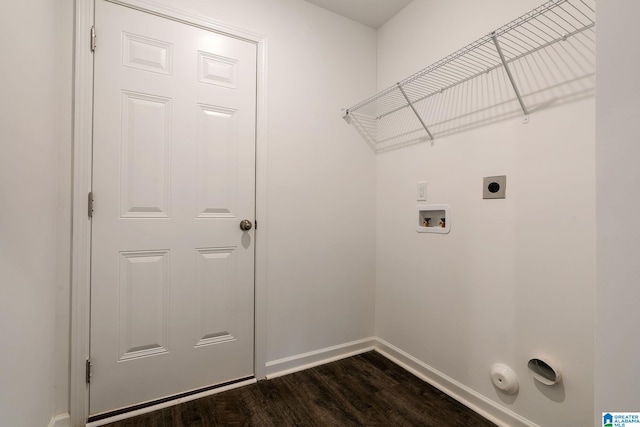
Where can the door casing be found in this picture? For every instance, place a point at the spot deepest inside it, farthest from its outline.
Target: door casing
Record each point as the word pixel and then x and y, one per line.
pixel 82 172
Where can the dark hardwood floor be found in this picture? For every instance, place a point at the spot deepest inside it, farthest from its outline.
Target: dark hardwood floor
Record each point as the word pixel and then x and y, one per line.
pixel 364 390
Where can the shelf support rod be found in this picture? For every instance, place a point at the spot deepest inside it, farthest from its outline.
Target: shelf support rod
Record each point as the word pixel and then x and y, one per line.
pixel 506 68
pixel 415 111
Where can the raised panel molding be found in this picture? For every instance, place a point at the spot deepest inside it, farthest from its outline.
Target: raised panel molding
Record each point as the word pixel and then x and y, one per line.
pixel 217 161
pixel 216 338
pixel 217 70
pixel 215 272
pixel 147 54
pixel 145 156
pixel 143 328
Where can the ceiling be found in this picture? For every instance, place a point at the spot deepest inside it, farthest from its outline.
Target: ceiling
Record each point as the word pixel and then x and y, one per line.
pixel 373 13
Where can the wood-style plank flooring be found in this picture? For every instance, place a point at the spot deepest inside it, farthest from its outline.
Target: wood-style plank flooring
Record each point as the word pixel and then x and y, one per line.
pixel 364 390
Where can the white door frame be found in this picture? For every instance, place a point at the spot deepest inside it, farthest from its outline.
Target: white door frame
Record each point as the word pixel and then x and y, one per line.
pixel 82 172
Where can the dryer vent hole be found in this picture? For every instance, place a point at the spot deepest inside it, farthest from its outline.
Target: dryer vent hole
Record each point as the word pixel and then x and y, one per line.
pixel 543 369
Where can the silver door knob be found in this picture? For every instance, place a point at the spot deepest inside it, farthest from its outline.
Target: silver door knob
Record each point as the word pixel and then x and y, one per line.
pixel 245 225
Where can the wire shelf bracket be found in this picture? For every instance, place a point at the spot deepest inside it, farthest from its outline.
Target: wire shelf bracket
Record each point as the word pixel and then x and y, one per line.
pixel 506 69
pixel 415 111
pixel 412 110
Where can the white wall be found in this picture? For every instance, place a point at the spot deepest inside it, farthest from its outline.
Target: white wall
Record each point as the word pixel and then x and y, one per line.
pixel 35 40
pixel 514 277
pixel 63 108
pixel 618 182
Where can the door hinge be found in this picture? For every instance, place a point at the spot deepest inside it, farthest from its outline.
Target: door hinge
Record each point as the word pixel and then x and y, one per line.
pixel 93 39
pixel 90 204
pixel 88 371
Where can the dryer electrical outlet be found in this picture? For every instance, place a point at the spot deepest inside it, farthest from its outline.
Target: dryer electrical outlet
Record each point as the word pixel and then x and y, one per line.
pixel 494 187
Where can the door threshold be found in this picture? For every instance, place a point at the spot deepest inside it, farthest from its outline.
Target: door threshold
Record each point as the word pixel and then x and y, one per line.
pixel 154 405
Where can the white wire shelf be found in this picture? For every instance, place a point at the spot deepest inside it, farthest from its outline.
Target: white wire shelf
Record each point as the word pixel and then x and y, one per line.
pixel 544 57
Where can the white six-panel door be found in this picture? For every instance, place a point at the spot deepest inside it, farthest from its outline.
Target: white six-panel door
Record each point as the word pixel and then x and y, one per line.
pixel 172 282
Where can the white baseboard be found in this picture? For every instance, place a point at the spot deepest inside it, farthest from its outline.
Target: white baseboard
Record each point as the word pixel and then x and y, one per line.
pixel 300 362
pixel 62 420
pixel 463 394
pixel 482 405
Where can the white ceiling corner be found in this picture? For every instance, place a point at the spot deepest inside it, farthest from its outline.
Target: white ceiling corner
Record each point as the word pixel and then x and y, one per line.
pixel 373 13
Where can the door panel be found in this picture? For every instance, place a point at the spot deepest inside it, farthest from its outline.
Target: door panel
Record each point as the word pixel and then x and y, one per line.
pixel 215 270
pixel 146 156
pixel 217 161
pixel 172 288
pixel 143 305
